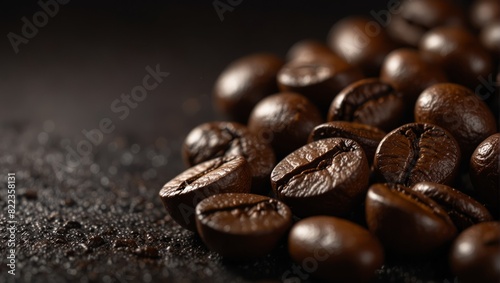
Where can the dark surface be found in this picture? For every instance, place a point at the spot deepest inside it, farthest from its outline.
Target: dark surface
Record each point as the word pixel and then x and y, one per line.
pixel 99 218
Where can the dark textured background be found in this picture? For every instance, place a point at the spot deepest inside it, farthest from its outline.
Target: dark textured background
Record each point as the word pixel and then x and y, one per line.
pixel 98 218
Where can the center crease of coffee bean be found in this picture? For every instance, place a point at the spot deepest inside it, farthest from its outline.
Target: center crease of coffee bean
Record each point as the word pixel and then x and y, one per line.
pixel 414 136
pixel 186 183
pixel 364 95
pixel 322 163
pixel 405 192
pixel 246 209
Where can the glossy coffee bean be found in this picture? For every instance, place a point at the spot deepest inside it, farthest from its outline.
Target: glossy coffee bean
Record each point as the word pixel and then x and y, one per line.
pixel 319 80
pixel 361 42
pixel 328 177
pixel 415 18
pixel 415 153
pixel 309 50
pixel 216 139
pixel 463 210
pixel 242 226
pixel 407 222
pixel 485 172
pixel 409 73
pixel 490 38
pixel 459 53
pixel 285 121
pixel 369 101
pixel 244 82
pixel 368 137
pixel 180 195
pixel 475 254
pixel 458 110
pixel 483 12
pixel 339 250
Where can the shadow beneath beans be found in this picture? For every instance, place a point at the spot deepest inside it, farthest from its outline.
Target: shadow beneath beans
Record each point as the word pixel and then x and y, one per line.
pixel 428 268
pixel 269 268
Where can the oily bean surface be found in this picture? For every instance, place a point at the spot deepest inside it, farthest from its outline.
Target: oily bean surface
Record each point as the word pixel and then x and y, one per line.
pixel 368 137
pixel 245 82
pixel 369 101
pixel 220 175
pixel 344 251
pixel 417 152
pixel 484 172
pixel 285 121
pixel 216 139
pixel 327 177
pixel 463 210
pixel 407 222
pixel 242 226
pixel 459 111
pixel 475 254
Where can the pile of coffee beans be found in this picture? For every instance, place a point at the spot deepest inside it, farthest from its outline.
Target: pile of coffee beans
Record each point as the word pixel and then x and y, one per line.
pixel 382 142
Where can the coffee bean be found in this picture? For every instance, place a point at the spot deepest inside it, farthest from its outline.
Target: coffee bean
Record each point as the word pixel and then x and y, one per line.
pixel 327 177
pixel 459 111
pixel 319 80
pixel 407 222
pixel 485 172
pixel 415 153
pixel 361 42
pixel 414 18
pixel 483 12
pixel 242 226
pixel 220 175
pixel 409 73
pixel 368 137
pixel 475 254
pixel 459 53
pixel 216 139
pixel 244 82
pixel 309 50
pixel 284 120
pixel 490 38
pixel 369 101
pixel 335 250
pixel 463 210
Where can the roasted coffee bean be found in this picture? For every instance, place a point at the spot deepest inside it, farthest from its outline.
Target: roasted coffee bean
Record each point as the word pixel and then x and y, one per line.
pixel 414 18
pixel 485 172
pixel 407 222
pixel 409 73
pixel 463 210
pixel 342 251
pixel 459 111
pixel 180 195
pixel 216 139
pixel 415 153
pixel 309 50
pixel 490 38
pixel 361 42
pixel 285 121
pixel 369 101
pixel 368 137
pixel 459 53
pixel 244 82
pixel 319 80
pixel 327 177
pixel 475 254
pixel 483 12
pixel 242 226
